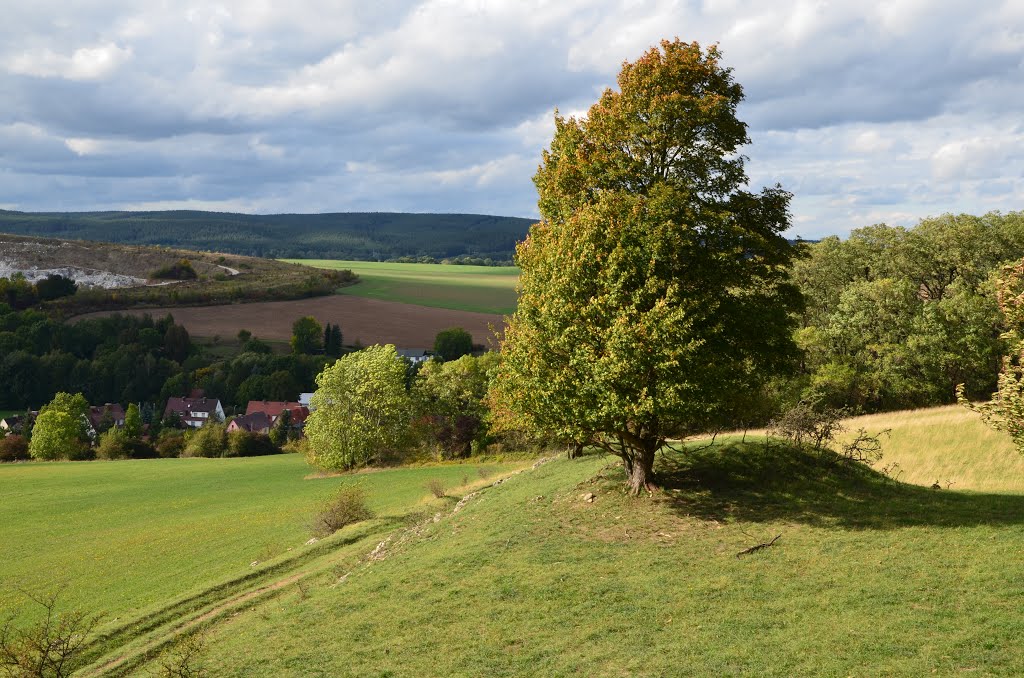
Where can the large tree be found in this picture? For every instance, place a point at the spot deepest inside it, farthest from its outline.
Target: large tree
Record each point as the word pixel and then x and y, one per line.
pixel 655 289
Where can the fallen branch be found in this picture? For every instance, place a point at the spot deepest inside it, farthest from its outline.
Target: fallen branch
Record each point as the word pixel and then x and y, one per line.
pixel 755 549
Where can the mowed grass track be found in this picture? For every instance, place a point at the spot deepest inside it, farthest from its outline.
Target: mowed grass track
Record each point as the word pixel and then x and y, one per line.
pixel 483 289
pixel 129 535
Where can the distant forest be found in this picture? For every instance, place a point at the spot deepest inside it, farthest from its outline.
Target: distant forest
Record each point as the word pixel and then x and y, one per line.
pixel 368 236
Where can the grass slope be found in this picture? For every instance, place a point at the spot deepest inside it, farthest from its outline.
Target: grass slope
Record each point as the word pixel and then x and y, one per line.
pixel 124 536
pixel 483 289
pixel 869 577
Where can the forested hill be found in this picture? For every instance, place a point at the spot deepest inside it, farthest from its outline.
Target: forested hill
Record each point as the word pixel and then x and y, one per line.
pixel 345 235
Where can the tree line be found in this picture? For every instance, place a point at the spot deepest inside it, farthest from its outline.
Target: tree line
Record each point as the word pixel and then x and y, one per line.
pixel 373 236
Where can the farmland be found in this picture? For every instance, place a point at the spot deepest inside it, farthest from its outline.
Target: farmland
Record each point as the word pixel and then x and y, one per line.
pixel 367 321
pixel 482 289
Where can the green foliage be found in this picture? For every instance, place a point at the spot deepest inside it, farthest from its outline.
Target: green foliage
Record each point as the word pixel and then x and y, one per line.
pixel 361 409
pixel 113 445
pixel 655 291
pixel 55 286
pixel 249 444
pixel 210 440
pixel 453 343
pixel 132 422
pixel 451 400
pixel 332 341
pixel 170 443
pixel 179 270
pixel 60 428
pixel 898 317
pixel 1005 412
pixel 346 507
pixel 307 335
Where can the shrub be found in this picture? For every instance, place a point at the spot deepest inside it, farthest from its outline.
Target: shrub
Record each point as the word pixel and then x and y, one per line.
pixel 52 646
pixel 436 487
pixel 347 507
pixel 184 658
pixel 211 440
pixel 170 443
pixel 179 270
pixel 14 448
pixel 113 445
pixel 248 444
pixel 806 424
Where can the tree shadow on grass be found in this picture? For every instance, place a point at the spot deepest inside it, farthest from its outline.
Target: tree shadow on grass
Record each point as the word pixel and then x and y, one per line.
pixel 755 482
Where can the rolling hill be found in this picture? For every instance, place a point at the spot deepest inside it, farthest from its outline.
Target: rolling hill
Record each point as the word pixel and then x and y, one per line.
pixel 349 235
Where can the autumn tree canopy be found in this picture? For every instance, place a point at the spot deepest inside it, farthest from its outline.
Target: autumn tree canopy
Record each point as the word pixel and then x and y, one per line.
pixel 655 290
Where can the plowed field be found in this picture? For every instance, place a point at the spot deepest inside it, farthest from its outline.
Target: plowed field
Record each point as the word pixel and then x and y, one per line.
pixel 368 321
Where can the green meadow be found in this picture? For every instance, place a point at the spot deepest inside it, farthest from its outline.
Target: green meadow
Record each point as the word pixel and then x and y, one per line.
pixel 483 289
pixel 870 575
pixel 122 537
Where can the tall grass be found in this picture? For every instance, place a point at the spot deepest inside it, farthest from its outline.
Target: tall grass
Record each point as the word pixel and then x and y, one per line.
pixel 949 445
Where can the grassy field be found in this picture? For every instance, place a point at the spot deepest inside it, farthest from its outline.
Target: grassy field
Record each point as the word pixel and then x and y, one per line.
pixel 483 289
pixel 129 535
pixel 869 576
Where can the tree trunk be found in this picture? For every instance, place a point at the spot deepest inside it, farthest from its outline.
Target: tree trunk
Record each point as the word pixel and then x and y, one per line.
pixel 641 475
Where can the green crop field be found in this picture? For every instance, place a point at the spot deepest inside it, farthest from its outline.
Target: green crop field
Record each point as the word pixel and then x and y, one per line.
pixel 122 537
pixel 484 289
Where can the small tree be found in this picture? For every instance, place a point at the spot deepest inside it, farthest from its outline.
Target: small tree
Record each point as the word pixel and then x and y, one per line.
pixel 307 335
pixel 133 422
pixel 60 428
pixel 451 400
pixel 52 646
pixel 361 409
pixel 453 343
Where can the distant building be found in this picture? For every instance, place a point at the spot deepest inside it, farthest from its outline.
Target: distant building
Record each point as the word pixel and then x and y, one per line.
pixel 194 412
pixel 97 413
pixel 416 355
pixel 274 408
pixel 13 423
pixel 257 422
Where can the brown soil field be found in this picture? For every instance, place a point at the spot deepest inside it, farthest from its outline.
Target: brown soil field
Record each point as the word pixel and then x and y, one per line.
pixel 368 321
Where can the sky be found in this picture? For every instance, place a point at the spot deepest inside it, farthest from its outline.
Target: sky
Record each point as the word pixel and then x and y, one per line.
pixel 867 111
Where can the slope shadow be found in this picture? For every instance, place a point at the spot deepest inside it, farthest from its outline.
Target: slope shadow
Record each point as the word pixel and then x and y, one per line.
pixel 755 482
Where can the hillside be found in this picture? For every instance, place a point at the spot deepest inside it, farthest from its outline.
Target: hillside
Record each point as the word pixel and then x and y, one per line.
pixel 115 276
pixel 869 576
pixel 346 235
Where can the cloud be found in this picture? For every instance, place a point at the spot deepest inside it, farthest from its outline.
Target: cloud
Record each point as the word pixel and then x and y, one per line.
pixel 865 110
pixel 85 63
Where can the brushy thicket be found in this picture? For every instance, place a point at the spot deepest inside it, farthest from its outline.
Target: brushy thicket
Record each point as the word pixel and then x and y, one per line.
pixel 347 507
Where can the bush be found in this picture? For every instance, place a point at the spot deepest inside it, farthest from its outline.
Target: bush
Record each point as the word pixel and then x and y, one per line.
pixel 211 440
pixel 52 646
pixel 248 444
pixel 14 448
pixel 347 507
pixel 179 270
pixel 806 424
pixel 453 343
pixel 170 443
pixel 436 487
pixel 113 445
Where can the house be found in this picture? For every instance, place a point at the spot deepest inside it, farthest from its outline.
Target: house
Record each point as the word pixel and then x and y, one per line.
pixel 13 423
pixel 112 412
pixel 274 408
pixel 257 422
pixel 194 412
pixel 414 355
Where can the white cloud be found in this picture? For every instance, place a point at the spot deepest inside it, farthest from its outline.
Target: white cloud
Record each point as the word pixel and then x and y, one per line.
pixel 85 63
